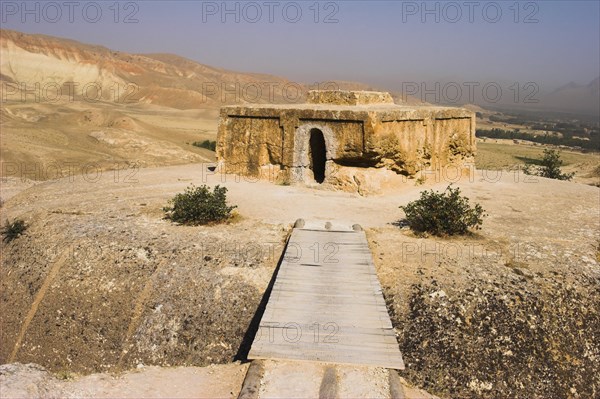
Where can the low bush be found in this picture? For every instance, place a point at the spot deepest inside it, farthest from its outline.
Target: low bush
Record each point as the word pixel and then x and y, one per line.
pixel 208 144
pixel 198 205
pixel 549 166
pixel 13 230
pixel 442 214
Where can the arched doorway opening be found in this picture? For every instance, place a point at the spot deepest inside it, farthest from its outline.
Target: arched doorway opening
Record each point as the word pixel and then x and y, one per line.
pixel 318 154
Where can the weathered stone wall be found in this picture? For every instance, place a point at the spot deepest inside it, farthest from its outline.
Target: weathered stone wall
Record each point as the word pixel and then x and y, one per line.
pixel 249 144
pixel 363 143
pixel 409 146
pixel 341 97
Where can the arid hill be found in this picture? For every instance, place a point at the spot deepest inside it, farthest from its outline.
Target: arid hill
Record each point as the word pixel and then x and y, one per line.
pixel 159 79
pixel 69 106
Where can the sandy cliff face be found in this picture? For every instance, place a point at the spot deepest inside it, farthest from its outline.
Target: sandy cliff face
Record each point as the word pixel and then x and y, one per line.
pixel 45 65
pixel 67 101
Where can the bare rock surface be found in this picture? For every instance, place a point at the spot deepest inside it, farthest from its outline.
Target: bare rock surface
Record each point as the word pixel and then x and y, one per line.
pixel 281 379
pixel 28 381
pixel 32 381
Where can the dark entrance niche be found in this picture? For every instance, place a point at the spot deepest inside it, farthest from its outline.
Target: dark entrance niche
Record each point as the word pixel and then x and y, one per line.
pixel 317 154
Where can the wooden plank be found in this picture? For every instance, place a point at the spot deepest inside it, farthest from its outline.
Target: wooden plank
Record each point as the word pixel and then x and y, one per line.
pixel 289 352
pixel 370 351
pixel 356 330
pixel 328 343
pixel 327 304
pixel 345 321
pixel 307 290
pixel 306 294
pixel 332 307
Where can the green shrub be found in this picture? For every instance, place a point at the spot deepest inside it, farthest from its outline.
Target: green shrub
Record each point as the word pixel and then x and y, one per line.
pixel 208 144
pixel 550 166
pixel 443 214
pixel 13 230
pixel 198 205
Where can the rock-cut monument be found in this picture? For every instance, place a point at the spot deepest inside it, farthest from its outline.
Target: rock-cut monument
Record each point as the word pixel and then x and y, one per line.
pixel 353 140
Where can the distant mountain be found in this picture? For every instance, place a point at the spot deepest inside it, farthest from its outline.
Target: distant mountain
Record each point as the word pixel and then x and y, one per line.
pixel 96 72
pixel 572 97
pixel 85 71
pixel 43 65
pixel 569 86
pixel 591 87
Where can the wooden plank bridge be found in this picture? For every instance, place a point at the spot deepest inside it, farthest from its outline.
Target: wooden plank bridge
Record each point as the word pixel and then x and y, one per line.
pixel 326 304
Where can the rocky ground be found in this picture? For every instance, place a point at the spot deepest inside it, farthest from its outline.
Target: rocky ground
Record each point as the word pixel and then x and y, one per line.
pixel 511 311
pixel 101 282
pixel 279 379
pixel 33 381
pixel 119 290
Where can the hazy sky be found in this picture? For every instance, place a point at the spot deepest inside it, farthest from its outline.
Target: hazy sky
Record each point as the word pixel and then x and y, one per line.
pixel 377 42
